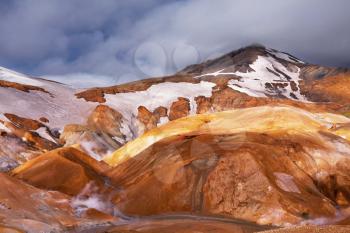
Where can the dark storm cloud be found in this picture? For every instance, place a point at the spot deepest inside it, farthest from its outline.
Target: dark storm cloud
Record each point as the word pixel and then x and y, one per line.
pixel 126 40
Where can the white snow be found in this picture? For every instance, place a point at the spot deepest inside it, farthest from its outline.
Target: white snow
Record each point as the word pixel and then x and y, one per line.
pixel 253 83
pixel 12 76
pixel 126 131
pixel 90 148
pixel 162 94
pixel 91 197
pixel 118 139
pixel 60 107
pixel 216 73
pixel 272 215
pixel 91 202
pixel 3 128
pixel 163 120
pixel 244 90
pixel 44 134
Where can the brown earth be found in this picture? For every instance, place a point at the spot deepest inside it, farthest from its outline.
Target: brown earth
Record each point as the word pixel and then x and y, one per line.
pixel 67 170
pixel 226 176
pixel 180 108
pixel 148 119
pixel 24 123
pixel 22 87
pixel 32 210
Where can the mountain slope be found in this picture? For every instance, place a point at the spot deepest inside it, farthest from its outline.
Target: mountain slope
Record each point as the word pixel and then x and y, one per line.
pixel 252 76
pixel 255 135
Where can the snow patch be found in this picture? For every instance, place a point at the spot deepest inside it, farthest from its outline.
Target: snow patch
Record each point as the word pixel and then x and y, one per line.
pixel 118 139
pixel 162 94
pixel 273 216
pixel 4 128
pixel 243 90
pixel 257 80
pixel 163 120
pixel 44 134
pixel 12 76
pixel 60 108
pixel 216 73
pixel 267 72
pixel 126 131
pixel 90 198
pixel 91 148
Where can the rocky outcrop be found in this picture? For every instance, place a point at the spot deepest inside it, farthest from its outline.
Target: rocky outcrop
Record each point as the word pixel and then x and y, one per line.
pixel 22 87
pixel 24 208
pixel 204 175
pixel 150 120
pixel 100 135
pixel 179 108
pixel 105 120
pixel 32 137
pixel 24 123
pixel 13 151
pixel 268 171
pixel 67 170
pixel 22 139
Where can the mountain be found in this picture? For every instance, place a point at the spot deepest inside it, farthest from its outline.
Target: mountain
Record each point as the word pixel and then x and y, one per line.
pixel 252 140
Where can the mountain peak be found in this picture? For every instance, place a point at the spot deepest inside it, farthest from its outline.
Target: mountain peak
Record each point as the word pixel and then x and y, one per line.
pixel 241 59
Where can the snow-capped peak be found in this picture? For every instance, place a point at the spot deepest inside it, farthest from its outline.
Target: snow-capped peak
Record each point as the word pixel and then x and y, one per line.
pixel 259 72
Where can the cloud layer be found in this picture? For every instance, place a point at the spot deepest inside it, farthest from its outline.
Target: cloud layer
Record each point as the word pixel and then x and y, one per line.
pixel 120 41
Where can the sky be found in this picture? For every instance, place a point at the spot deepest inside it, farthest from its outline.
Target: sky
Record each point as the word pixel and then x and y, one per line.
pixel 104 42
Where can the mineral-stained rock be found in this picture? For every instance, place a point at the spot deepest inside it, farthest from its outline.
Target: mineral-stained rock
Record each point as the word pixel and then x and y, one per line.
pixel 203 104
pixel 148 119
pixel 32 132
pixel 27 124
pixel 105 120
pixel 218 175
pixel 24 208
pixel 277 175
pixel 21 87
pixel 67 170
pixel 13 151
pixel 9 230
pixel 179 108
pixel 100 135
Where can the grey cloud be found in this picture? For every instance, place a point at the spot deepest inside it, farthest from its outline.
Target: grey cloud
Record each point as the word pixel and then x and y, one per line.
pixel 127 40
